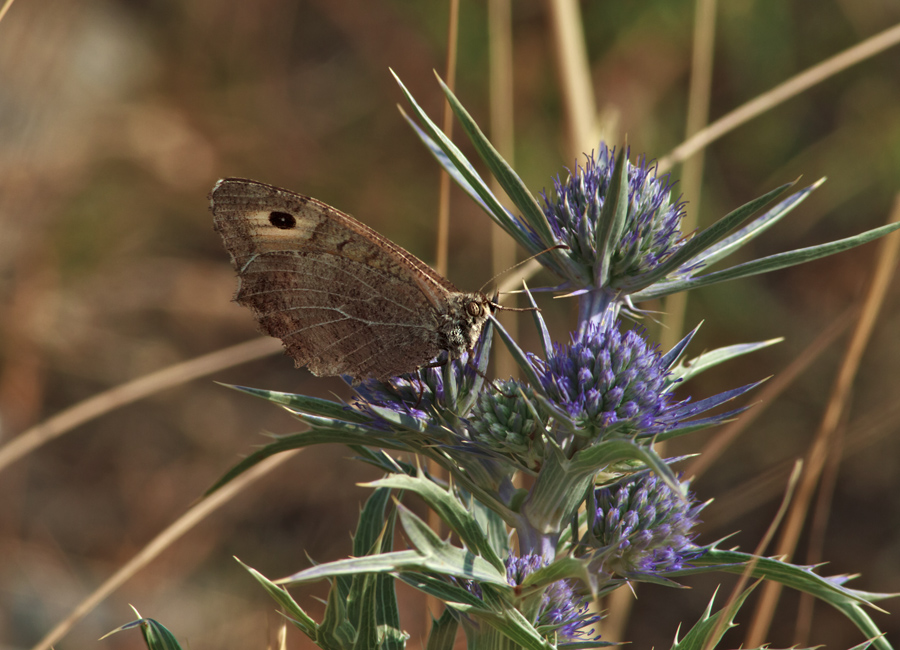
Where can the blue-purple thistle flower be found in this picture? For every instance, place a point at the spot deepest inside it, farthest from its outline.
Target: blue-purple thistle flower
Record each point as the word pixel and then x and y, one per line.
pixel 562 613
pixel 609 383
pixel 650 233
pixel 643 526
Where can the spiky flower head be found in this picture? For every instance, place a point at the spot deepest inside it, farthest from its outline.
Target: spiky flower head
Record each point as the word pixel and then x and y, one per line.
pixel 562 614
pixel 505 421
pixel 608 383
pixel 644 526
pixel 423 394
pixel 650 233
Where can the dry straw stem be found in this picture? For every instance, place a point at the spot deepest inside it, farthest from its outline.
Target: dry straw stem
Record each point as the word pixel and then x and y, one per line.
pixel 773 388
pixel 503 248
pixel 712 639
pixel 790 88
pixel 573 72
pixel 161 542
pixel 762 488
pixel 692 171
pixel 131 391
pixel 432 604
pixel 443 225
pixel 828 436
pixel 5 8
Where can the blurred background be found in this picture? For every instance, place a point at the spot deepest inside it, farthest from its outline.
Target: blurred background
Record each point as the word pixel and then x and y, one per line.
pixel 116 118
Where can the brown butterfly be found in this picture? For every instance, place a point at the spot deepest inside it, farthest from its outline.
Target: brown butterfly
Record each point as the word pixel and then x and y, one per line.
pixel 343 299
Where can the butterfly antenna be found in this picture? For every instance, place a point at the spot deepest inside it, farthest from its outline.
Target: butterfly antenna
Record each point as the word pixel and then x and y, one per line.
pixel 518 264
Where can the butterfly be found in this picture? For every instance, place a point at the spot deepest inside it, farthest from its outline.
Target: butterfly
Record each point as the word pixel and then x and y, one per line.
pixel 343 299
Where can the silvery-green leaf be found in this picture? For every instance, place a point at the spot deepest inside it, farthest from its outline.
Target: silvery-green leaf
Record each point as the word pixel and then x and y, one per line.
pixel 708 631
pixel 351 436
pixel 303 621
pixel 755 228
pixel 443 632
pixel 450 510
pixel 155 634
pixel 495 209
pixel 701 241
pixel 305 404
pixel 764 265
pixel 693 367
pixel 849 602
pixel 507 178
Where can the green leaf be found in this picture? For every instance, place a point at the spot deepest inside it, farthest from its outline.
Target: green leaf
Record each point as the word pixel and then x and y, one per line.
pixel 440 589
pixel 755 228
pixel 371 523
pixel 366 627
pixel 443 632
pixel 349 435
pixel 703 635
pixel 303 621
pixel 305 404
pixel 336 632
pixel 519 355
pixel 700 242
pixel 608 452
pixel 439 558
pixel 492 524
pixel 765 264
pixel 450 510
pixel 513 625
pixel 690 369
pixel 849 602
pixel 156 636
pixel 495 209
pixel 507 178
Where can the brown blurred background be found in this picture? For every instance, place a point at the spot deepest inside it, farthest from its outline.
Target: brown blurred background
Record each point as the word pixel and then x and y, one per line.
pixel 117 117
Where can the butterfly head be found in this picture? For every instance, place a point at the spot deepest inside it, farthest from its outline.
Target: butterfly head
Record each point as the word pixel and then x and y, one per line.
pixel 462 323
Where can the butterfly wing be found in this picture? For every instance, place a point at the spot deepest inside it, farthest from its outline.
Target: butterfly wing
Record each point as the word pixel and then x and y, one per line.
pixel 342 298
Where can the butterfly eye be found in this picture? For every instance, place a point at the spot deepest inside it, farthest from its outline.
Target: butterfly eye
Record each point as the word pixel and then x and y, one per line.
pixel 282 220
pixel 474 309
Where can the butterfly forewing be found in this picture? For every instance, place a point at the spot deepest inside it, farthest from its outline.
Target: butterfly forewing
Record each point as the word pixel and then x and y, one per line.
pixel 342 298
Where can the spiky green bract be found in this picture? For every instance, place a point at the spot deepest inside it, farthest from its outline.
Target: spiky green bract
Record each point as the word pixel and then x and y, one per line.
pixel 708 631
pixel 642 526
pixel 155 634
pixel 850 602
pixel 361 611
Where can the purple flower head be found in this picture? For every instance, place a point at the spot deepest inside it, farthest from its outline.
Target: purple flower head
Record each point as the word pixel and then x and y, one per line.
pixel 608 382
pixel 562 613
pixel 650 233
pixel 422 394
pixel 644 526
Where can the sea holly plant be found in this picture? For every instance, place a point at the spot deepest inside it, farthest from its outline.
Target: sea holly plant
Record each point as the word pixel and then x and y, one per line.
pixel 555 494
